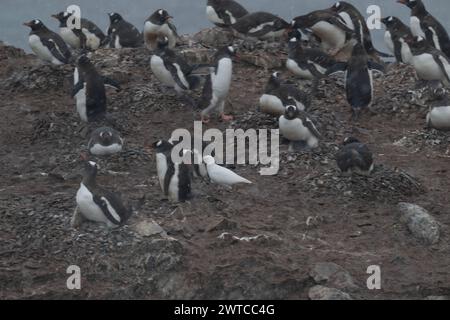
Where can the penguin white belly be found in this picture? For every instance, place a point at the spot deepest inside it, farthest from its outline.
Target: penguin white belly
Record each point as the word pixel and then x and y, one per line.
pixel 92 41
pixel 42 51
pixel 272 105
pixel 173 185
pixel 88 207
pixel 406 52
pixel 294 130
pixel 427 68
pixel 347 19
pixel 81 103
pixel 260 27
pixel 161 168
pixel 212 16
pixel 332 37
pixel 416 29
pixel 117 44
pixel 151 28
pixel 69 37
pixel 100 150
pixel 439 118
pixel 160 71
pixel 232 18
pixel 388 41
pixel 221 80
pixel 435 38
pixel 293 66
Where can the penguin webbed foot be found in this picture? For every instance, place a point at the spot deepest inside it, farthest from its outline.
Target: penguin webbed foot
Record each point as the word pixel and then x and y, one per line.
pixel 77 219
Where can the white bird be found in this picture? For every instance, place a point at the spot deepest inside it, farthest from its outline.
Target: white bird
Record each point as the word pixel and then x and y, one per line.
pixel 221 175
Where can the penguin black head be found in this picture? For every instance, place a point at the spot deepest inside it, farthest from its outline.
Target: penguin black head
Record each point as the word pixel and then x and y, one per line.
pixel 340 6
pixel 35 25
pixel 411 3
pixel 390 21
pixel 106 137
pixel 162 146
pixel 114 17
pixel 294 34
pixel 226 52
pixel 90 168
pixel 161 16
pixel 416 43
pixel 83 61
pixel 291 112
pixel 350 140
pixel 62 17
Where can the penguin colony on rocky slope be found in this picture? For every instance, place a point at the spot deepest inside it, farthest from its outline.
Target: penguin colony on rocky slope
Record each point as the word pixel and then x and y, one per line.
pixel 314 42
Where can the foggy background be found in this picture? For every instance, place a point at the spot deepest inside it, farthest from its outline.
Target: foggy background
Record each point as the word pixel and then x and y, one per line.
pixel 189 15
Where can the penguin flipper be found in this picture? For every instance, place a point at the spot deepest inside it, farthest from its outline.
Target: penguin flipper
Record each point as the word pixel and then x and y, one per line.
pixel 104 206
pixel 337 67
pixel 398 51
pixel 309 124
pixel 437 58
pixel 174 71
pixel 110 82
pixel 77 87
pixel 375 66
pixel 57 52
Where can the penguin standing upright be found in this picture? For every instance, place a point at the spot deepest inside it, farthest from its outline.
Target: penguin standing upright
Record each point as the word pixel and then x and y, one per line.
pixel 430 63
pixel 356 22
pixel 424 25
pixel 224 13
pixel 261 25
pixel 46 44
pixel 122 34
pixel 355 157
pixel 89 36
pixel 89 90
pixel 95 203
pixel 157 26
pixel 395 38
pixel 297 127
pixel 217 85
pixel 278 95
pixel 328 27
pixel 306 63
pixel 174 177
pixel 358 79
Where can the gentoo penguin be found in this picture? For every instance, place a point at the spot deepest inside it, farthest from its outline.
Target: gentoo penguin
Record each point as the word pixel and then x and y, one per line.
pixel 328 27
pixel 354 157
pixel 424 25
pixel 439 118
pixel 224 13
pixel 278 95
pixel 172 70
pixel 89 90
pixel 358 79
pixel 122 34
pixel 95 203
pixel 46 44
pixel 217 85
pixel 105 141
pixel 174 178
pixel 222 176
pixel 430 63
pixel 158 25
pixel 356 22
pixel 306 63
pixel 88 37
pixel 296 127
pixel 395 38
pixel 261 25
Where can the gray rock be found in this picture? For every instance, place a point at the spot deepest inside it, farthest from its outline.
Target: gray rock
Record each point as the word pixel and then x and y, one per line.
pixel 148 228
pixel 421 224
pixel 332 275
pixel 325 293
pixel 437 298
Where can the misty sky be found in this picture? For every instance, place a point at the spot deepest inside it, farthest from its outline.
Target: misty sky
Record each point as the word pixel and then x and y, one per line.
pixel 189 14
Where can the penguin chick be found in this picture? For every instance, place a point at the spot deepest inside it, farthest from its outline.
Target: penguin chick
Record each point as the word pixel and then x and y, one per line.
pixel 222 176
pixel 354 157
pixel 296 127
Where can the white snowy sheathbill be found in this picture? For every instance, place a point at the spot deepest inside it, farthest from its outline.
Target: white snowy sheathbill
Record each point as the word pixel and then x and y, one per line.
pixel 97 204
pixel 222 176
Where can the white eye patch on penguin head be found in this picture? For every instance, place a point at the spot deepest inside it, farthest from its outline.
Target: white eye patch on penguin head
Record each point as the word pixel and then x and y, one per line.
pixel 350 140
pixel 291 112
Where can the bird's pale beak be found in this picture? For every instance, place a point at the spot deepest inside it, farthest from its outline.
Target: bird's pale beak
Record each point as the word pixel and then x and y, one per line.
pixel 28 24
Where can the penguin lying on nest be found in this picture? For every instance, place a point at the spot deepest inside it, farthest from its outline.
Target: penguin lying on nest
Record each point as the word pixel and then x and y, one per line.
pixel 105 141
pixel 95 203
pixel 354 158
pixel 224 13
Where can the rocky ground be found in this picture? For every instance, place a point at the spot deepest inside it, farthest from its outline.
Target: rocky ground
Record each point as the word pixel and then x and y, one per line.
pixel 305 233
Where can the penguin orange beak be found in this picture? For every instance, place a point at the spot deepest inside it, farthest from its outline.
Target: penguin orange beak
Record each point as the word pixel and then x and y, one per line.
pixel 402 1
pixel 54 16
